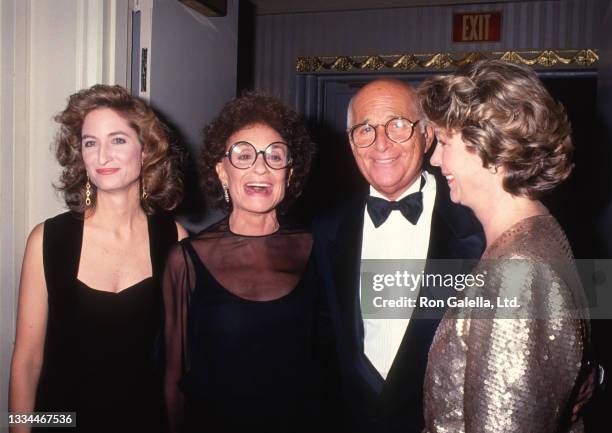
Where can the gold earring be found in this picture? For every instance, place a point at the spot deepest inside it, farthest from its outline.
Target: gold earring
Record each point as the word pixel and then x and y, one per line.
pixel 226 192
pixel 493 170
pixel 144 194
pixel 87 193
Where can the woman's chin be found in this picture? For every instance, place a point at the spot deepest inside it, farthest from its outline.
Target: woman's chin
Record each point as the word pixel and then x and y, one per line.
pixel 116 187
pixel 259 207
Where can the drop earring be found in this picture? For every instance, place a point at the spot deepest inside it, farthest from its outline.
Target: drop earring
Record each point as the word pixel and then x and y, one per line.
pixel 226 192
pixel 144 194
pixel 87 193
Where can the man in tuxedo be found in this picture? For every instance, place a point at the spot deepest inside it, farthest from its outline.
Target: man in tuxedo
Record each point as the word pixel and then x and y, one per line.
pixel 407 215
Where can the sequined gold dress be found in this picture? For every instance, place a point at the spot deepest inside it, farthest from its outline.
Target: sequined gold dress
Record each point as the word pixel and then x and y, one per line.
pixel 513 375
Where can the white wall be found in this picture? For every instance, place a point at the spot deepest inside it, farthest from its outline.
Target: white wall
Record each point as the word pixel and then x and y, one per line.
pixel 49 50
pixel 12 169
pixel 280 39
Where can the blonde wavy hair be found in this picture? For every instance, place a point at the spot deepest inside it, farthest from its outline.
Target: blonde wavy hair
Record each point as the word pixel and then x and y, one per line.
pixel 507 117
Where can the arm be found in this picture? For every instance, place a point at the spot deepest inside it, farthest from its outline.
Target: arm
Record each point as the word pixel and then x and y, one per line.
pixel 521 372
pixel 31 328
pixel 176 291
pixel 585 394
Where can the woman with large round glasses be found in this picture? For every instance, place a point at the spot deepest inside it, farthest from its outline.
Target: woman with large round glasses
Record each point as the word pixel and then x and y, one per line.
pixel 239 296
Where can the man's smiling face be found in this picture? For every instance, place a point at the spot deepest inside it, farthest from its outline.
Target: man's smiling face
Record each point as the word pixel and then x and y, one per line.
pixel 388 166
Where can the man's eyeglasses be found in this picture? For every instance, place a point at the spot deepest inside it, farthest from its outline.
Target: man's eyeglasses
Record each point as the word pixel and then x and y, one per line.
pixel 398 129
pixel 243 155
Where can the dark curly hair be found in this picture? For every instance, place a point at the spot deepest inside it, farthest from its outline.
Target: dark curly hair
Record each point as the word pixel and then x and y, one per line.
pixel 505 114
pixel 161 166
pixel 248 110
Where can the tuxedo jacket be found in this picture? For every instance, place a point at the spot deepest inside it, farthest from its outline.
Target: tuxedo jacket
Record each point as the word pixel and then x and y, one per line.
pixel 371 404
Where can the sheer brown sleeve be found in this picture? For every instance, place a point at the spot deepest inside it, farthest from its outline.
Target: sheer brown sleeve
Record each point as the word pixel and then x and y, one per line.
pixel 177 287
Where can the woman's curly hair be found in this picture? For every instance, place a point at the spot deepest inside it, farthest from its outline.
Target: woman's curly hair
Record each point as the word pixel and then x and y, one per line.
pixel 161 173
pixel 248 110
pixel 505 114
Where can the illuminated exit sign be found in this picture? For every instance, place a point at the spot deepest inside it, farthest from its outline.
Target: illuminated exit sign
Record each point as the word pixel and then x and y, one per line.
pixel 477 27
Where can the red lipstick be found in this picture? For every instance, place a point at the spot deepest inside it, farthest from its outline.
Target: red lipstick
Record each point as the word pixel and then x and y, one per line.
pixel 105 171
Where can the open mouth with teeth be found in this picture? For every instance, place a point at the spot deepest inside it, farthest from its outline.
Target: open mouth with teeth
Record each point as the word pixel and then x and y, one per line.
pixel 384 160
pixel 258 188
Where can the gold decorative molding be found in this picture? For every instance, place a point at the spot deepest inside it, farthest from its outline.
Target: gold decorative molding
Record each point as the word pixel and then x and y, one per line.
pixel 546 59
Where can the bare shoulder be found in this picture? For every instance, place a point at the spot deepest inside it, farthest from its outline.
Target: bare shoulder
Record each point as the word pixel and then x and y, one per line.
pixel 34 243
pixel 182 232
pixel 32 286
pixel 36 235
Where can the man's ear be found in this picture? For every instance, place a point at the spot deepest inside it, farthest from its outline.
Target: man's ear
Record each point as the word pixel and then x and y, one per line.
pixel 221 173
pixel 428 135
pixel 354 149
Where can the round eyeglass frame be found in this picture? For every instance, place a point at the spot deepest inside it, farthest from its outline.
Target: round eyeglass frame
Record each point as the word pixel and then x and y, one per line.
pixel 228 155
pixel 352 129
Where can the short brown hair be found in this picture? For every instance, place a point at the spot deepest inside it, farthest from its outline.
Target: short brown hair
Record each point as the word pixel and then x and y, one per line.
pixel 506 116
pixel 252 109
pixel 160 174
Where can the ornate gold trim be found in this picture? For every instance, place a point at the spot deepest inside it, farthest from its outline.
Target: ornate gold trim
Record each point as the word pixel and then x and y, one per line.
pixel 546 59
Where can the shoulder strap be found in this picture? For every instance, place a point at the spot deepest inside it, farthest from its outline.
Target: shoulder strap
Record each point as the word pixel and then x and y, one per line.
pixel 195 261
pixel 62 240
pixel 189 286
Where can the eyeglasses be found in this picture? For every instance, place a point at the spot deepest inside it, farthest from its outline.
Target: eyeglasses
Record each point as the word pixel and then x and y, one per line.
pixel 398 129
pixel 243 155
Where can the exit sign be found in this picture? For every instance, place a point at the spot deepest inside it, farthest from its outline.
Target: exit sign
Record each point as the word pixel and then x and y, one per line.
pixel 477 27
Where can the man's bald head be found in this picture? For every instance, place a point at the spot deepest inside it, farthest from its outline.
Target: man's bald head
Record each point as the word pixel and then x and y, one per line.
pixel 386 86
pixel 389 166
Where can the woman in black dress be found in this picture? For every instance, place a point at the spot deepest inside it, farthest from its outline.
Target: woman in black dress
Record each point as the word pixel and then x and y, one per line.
pixel 90 295
pixel 242 348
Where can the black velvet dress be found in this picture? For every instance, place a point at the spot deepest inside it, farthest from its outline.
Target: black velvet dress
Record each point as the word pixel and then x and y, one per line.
pixel 99 348
pixel 245 329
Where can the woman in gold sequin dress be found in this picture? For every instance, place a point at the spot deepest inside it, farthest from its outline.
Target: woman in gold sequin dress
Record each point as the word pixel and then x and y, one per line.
pixel 503 142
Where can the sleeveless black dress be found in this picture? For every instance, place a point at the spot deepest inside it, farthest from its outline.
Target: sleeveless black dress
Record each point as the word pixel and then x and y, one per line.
pixel 99 349
pixel 251 365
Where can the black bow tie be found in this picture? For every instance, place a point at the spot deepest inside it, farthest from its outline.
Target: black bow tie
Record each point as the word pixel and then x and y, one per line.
pixel 410 206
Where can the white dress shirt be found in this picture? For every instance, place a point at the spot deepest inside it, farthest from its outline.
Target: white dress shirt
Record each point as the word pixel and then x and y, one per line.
pixel 396 238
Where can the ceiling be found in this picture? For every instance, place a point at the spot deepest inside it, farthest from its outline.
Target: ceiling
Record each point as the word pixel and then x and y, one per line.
pixel 267 7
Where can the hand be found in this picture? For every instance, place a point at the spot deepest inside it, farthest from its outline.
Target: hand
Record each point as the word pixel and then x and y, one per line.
pixel 586 392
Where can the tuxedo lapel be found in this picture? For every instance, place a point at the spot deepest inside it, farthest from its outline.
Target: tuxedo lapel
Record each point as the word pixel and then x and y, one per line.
pixel 441 234
pixel 455 231
pixel 346 265
pixel 455 234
